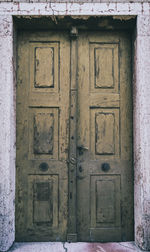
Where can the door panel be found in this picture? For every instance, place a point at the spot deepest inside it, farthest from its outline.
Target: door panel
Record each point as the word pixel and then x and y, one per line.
pixel 74 167
pixel 104 170
pixel 42 136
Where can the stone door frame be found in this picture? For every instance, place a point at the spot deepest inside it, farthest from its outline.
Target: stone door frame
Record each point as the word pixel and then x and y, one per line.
pixel 141 107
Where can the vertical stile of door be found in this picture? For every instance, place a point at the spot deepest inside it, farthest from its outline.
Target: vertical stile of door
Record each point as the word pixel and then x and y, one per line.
pixel 72 235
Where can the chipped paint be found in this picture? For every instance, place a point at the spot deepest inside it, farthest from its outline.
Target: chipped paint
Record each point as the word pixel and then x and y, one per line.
pixel 122 11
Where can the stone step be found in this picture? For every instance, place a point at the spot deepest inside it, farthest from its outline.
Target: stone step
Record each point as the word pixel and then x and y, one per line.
pixel 74 247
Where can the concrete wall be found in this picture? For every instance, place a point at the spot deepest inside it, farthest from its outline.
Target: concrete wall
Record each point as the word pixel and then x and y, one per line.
pixel 141 98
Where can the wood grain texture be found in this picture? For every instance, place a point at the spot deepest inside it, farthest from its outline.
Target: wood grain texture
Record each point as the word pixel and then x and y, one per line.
pixel 42 136
pixel 74 137
pixel 44 67
pixel 104 133
pixel 104 67
pixel 43 133
pixel 105 201
pixel 105 170
pixel 42 203
pixel 72 200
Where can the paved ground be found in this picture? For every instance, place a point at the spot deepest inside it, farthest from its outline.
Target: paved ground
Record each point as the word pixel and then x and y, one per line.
pixel 74 247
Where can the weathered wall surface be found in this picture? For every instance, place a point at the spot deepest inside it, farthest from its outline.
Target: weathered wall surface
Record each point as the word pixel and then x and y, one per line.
pixel 142 132
pixel 82 8
pixel 77 1
pixel 141 94
pixel 7 134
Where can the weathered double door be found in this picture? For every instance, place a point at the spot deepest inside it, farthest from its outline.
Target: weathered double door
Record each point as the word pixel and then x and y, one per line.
pixel 74 137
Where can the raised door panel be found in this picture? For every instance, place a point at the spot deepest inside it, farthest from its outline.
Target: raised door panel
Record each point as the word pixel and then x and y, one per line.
pixel 104 66
pixel 43 133
pixel 44 66
pixel 43 201
pixel 105 133
pixel 44 69
pixel 105 201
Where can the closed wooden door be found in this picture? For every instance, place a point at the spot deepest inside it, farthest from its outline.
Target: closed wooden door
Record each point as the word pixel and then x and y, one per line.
pixel 104 170
pixel 42 136
pixel 74 137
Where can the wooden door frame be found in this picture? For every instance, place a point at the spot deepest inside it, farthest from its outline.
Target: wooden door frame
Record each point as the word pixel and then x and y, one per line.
pixel 18 25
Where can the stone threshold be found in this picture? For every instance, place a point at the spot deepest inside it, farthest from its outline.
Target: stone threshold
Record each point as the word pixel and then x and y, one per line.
pixel 74 247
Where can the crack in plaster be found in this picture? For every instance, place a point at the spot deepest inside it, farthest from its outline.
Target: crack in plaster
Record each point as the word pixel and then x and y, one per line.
pixel 100 249
pixel 66 250
pixel 126 246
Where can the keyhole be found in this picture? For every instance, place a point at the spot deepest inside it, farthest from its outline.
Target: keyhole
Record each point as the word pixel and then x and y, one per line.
pixel 80 168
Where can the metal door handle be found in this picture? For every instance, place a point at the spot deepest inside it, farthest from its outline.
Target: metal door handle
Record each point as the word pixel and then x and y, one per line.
pixel 81 147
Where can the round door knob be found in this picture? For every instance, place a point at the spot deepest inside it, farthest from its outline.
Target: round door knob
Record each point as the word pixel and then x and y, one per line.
pixel 105 167
pixel 43 166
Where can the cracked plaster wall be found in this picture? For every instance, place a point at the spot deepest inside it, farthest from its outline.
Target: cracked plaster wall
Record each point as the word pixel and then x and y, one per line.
pixel 141 94
pixel 7 134
pixel 77 1
pixel 142 133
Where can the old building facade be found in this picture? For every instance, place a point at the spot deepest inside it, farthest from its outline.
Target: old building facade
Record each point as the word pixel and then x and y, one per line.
pixel 107 19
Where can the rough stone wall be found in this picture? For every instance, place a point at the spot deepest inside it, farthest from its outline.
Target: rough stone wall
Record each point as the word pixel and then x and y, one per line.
pixel 141 95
